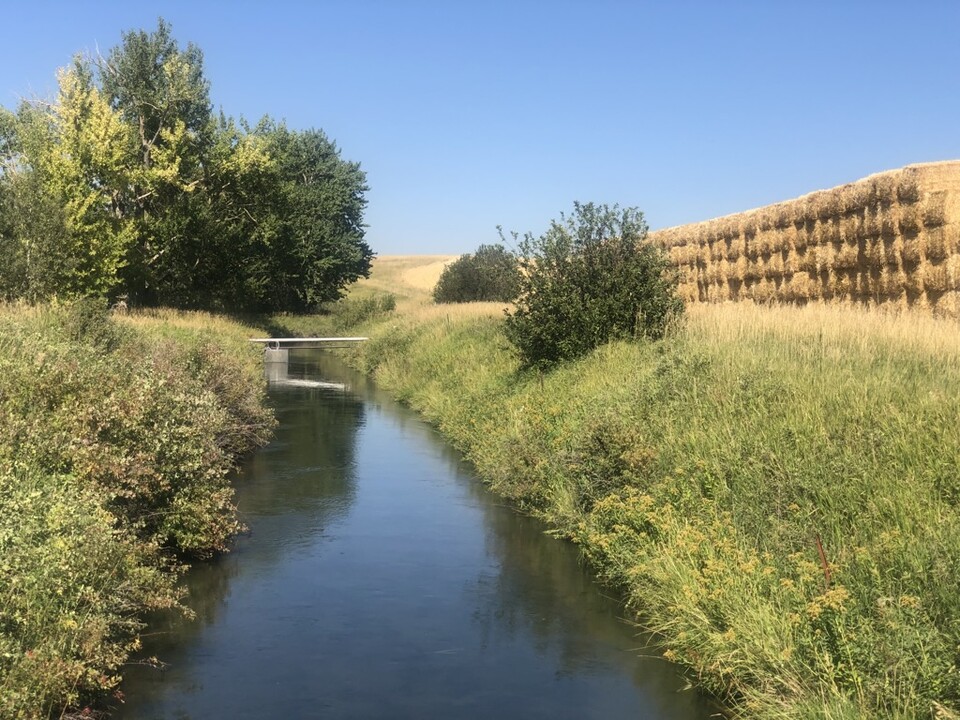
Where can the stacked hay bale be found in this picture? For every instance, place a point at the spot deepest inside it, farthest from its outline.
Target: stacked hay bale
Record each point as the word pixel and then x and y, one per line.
pixel 893 238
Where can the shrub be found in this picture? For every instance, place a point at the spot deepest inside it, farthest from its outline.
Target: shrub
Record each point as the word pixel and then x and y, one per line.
pixel 490 274
pixel 352 311
pixel 589 279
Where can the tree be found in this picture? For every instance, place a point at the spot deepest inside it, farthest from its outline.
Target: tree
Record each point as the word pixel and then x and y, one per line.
pixel 316 238
pixel 62 164
pixel 589 279
pixel 162 95
pixel 127 183
pixel 490 274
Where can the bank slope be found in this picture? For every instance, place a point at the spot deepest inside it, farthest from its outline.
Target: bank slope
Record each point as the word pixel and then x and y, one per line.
pixel 774 489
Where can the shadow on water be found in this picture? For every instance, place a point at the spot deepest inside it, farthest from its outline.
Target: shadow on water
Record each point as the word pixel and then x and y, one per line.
pixel 381 580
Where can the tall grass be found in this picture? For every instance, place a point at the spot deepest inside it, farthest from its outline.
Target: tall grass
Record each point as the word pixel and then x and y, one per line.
pixel 774 489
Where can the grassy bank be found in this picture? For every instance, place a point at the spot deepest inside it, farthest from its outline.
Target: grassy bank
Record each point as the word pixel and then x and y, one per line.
pixel 774 489
pixel 116 440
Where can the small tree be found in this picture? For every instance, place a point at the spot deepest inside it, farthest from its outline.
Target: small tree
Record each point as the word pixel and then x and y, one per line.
pixel 589 279
pixel 490 274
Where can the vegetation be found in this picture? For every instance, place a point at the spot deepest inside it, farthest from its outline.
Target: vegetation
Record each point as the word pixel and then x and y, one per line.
pixel 116 438
pixel 774 489
pixel 126 184
pixel 588 280
pixel 491 274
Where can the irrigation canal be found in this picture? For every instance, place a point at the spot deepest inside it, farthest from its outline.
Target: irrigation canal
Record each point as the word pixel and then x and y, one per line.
pixel 380 579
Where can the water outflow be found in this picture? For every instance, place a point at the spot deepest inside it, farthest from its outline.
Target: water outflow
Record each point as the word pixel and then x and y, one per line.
pixel 380 579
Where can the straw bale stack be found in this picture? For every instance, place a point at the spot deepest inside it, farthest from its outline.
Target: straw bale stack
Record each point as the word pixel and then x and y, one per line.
pixel 893 238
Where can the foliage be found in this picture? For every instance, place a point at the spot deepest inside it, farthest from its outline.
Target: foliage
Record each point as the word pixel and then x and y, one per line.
pixel 701 474
pixel 492 273
pixel 350 312
pixel 588 280
pixel 67 236
pixel 72 590
pixel 127 184
pixel 116 441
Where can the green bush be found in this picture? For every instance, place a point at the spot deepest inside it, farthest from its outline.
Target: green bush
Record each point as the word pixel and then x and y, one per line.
pixel 349 312
pixel 492 273
pixel 591 278
pixel 116 443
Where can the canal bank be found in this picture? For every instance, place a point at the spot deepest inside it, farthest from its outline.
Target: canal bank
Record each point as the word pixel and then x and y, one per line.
pixel 381 579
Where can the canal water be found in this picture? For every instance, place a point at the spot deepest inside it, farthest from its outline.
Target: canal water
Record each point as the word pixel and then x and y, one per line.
pixel 380 579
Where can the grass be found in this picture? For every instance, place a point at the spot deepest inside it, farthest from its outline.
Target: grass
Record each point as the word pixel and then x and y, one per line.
pixel 775 489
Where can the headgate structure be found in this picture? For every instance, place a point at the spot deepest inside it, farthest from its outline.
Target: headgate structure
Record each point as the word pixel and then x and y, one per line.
pixel 276 351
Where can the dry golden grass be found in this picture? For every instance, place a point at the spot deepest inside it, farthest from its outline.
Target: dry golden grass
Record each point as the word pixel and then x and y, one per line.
pixel 409 277
pixel 843 327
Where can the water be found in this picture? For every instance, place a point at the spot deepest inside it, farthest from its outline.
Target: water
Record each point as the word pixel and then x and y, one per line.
pixel 380 579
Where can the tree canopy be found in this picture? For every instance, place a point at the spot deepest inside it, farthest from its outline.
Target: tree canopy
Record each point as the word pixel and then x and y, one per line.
pixel 127 183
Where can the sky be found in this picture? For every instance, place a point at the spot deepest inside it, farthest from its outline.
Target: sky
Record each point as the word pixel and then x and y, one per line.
pixel 466 116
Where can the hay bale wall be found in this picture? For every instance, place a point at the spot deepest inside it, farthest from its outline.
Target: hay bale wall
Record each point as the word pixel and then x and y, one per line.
pixel 891 238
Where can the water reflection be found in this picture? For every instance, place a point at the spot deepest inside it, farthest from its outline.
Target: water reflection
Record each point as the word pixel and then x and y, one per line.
pixel 380 580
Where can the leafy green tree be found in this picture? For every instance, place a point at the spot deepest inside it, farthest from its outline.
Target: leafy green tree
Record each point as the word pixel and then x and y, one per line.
pixel 126 183
pixel 490 274
pixel 316 243
pixel 62 163
pixel 162 95
pixel 591 278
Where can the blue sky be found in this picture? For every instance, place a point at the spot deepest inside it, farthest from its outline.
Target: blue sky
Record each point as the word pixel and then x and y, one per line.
pixel 469 115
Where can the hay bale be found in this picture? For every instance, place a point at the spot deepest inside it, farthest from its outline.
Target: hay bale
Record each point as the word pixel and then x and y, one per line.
pixel 851 228
pixel 891 283
pixel 846 256
pixel 888 226
pixel 807 261
pixel 952 270
pixel 856 197
pixel 803 286
pixel 782 216
pixel 909 219
pixel 912 252
pixel 940 243
pixel 884 190
pixel 764 219
pixel 738 270
pixel 934 277
pixel 791 263
pixel 875 255
pixel 830 231
pixel 752 272
pixel 948 305
pixel 736 246
pixel 840 285
pixel 763 291
pixel 913 281
pixel 718 249
pixel 935 210
pixel 688 293
pixel 829 204
pixel 908 190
